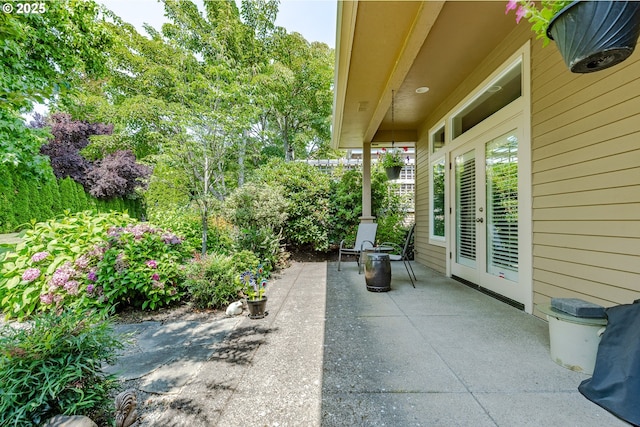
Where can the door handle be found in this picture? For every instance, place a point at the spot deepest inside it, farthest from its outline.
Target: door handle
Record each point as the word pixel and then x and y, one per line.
pixel 479 219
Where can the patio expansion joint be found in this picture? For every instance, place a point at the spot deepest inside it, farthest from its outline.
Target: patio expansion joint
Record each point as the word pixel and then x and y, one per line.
pixel 467 391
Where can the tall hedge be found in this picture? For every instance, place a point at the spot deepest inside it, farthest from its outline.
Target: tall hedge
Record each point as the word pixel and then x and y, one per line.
pixel 7 195
pixel 24 199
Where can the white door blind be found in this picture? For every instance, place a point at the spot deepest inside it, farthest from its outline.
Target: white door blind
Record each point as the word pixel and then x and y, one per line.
pixel 502 206
pixel 466 209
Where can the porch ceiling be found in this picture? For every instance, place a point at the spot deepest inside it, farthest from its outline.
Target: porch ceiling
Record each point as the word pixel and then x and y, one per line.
pixel 402 45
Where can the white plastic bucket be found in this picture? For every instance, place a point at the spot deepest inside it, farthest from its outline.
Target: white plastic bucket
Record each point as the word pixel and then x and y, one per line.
pixel 574 340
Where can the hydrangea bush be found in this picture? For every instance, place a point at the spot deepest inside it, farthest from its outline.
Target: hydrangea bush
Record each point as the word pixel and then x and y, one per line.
pixel 141 266
pixel 85 260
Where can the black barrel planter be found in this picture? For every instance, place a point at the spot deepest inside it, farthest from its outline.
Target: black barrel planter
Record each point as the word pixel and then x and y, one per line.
pixel 377 272
pixel 595 35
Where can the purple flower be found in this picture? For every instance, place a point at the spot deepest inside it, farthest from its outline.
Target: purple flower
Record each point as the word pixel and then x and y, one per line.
pixel 152 263
pixel 246 277
pixel 30 274
pixel 92 276
pixel 90 289
pixel 46 298
pixel 40 256
pixel 155 277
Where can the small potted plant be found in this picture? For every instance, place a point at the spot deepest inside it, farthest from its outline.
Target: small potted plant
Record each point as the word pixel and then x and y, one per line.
pixel 254 285
pixel 590 35
pixel 393 161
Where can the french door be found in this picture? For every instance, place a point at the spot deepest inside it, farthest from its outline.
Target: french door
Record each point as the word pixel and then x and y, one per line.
pixel 484 201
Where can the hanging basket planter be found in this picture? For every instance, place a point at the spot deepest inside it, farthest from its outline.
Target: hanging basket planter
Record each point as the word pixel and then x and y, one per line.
pixel 595 35
pixel 393 172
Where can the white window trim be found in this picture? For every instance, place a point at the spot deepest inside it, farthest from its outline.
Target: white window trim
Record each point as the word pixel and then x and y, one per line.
pixel 521 106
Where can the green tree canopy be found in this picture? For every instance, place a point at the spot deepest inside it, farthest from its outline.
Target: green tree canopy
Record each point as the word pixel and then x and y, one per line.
pixel 44 54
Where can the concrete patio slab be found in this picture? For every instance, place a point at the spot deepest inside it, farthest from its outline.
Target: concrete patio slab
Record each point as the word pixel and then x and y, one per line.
pixel 330 353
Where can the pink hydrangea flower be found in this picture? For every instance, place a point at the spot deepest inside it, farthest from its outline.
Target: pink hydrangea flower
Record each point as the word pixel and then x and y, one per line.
pixel 46 299
pixel 152 263
pixel 155 277
pixel 82 262
pixel 30 274
pixel 61 276
pixel 40 256
pixel 171 239
pixel 71 287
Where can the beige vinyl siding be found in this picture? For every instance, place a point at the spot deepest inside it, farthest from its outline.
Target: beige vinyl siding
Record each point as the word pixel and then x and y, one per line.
pixel 586 180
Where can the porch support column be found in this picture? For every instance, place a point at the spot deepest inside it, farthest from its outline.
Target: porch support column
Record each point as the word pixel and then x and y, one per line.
pixel 366 184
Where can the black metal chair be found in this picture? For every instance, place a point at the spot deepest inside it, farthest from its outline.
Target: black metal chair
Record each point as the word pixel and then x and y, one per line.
pixel 403 254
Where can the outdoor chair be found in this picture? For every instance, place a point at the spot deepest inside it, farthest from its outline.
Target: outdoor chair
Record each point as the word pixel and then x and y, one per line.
pixel 365 238
pixel 403 254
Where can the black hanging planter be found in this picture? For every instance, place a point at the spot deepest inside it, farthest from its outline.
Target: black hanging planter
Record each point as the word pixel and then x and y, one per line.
pixel 594 35
pixel 393 172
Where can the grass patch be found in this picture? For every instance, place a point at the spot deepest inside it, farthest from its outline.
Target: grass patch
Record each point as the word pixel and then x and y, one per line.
pixel 8 243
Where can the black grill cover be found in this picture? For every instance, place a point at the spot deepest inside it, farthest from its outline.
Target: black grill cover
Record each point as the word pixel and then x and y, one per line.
pixel 615 384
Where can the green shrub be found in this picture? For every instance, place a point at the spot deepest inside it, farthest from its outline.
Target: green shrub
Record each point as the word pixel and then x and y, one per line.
pixel 264 243
pixel 188 224
pixel 388 209
pixel 307 191
pixel 67 187
pixel 54 367
pixel 391 229
pixel 26 274
pixel 214 280
pixel 257 205
pixel 259 212
pixel 345 206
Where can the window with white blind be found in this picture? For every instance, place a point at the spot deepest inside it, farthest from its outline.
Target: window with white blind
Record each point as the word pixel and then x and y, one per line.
pixel 502 206
pixel 466 209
